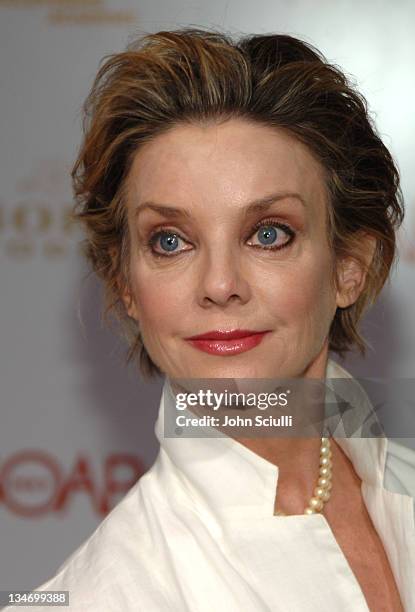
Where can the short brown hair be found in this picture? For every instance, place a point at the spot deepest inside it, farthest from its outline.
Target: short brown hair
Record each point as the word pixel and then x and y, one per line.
pixel 193 75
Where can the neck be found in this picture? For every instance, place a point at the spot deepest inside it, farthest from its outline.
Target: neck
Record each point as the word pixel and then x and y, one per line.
pixel 297 458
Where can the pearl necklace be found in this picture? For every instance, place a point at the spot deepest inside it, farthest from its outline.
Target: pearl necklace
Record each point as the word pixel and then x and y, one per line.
pixel 322 491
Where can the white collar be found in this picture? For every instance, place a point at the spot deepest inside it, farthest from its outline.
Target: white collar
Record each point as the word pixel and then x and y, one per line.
pixel 212 466
pixel 222 478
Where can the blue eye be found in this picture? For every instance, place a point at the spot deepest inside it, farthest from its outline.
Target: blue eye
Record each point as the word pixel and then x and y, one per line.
pixel 267 234
pixel 273 235
pixel 169 242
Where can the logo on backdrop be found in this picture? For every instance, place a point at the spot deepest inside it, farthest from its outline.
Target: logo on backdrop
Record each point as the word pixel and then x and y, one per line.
pixel 34 483
pixel 77 12
pixel 36 222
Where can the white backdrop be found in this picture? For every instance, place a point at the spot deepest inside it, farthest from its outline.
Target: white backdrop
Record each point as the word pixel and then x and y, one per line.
pixel 76 425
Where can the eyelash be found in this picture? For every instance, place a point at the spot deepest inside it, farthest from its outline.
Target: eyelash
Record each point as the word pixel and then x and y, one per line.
pixel 155 235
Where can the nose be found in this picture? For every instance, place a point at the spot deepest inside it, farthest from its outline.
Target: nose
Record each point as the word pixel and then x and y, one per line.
pixel 222 279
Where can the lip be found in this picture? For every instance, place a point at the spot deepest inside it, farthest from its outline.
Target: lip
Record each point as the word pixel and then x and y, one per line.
pixel 227 342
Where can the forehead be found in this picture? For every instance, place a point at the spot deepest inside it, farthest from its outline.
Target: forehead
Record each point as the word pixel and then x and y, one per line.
pixel 222 166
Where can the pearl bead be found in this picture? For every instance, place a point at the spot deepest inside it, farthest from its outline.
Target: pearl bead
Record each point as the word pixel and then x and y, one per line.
pixel 323 482
pixel 325 442
pixel 325 462
pixel 316 503
pixel 325 451
pixel 325 472
pixel 319 492
pixel 309 510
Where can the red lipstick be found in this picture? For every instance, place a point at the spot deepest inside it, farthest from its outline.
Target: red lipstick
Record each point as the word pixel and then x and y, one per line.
pixel 227 342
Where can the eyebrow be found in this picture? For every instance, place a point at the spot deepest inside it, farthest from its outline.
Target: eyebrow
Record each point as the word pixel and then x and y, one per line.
pixel 255 206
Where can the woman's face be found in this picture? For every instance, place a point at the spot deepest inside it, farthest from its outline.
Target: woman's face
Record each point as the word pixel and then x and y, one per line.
pixel 242 211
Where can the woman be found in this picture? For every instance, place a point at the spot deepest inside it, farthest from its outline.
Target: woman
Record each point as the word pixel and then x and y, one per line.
pixel 241 210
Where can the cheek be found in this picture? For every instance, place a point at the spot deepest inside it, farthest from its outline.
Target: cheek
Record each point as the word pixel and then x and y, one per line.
pixel 301 292
pixel 318 298
pixel 160 304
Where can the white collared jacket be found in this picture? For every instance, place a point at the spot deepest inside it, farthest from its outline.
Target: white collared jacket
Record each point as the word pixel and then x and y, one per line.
pixel 197 533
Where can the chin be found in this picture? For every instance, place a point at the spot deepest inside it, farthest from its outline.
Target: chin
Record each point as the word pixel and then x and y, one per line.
pixel 228 368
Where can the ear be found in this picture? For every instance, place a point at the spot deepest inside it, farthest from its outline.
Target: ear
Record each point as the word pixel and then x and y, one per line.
pixel 352 271
pixel 124 291
pixel 129 303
